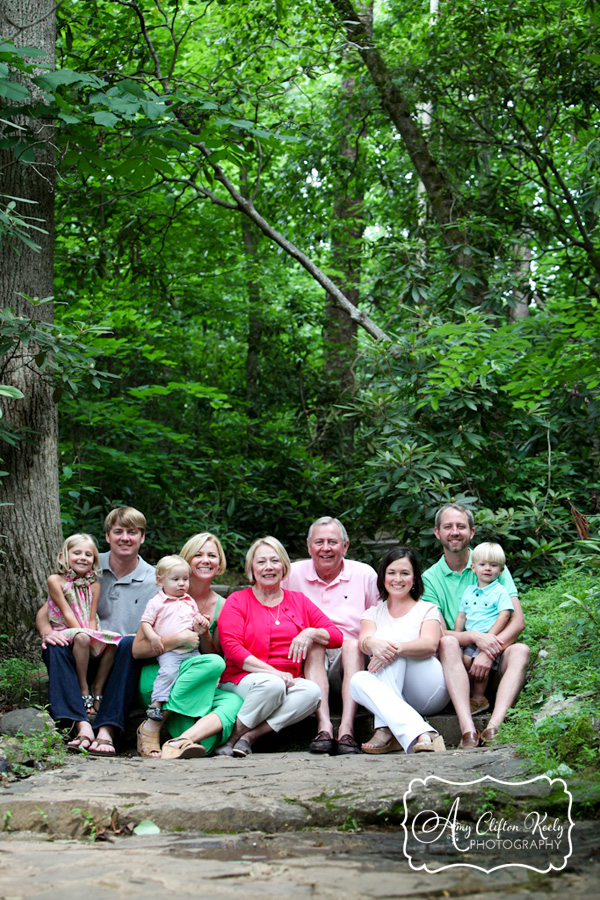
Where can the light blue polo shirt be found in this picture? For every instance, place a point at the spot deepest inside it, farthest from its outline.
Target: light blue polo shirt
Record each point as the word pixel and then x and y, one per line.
pixel 445 587
pixel 482 605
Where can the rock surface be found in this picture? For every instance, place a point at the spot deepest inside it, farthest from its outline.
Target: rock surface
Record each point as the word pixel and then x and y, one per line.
pixel 28 722
pixel 254 828
pixel 269 792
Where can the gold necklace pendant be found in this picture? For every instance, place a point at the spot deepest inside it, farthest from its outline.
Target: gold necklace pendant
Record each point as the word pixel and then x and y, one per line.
pixel 275 618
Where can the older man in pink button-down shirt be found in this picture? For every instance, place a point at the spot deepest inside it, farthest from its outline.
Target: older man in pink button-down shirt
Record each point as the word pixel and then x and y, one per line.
pixel 343 589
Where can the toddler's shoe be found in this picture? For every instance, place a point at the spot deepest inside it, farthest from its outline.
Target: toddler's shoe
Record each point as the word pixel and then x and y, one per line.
pixel 154 713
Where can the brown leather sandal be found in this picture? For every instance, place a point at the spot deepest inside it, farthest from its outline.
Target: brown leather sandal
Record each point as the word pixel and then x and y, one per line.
pixel 148 742
pixel 187 749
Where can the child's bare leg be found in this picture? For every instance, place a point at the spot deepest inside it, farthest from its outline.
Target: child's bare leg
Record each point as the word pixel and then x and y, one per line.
pixel 104 667
pixel 81 653
pixel 468 661
pixel 478 689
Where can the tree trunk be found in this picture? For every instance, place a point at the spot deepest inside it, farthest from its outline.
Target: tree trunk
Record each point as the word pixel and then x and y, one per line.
pixel 340 330
pixel 348 227
pixel 346 243
pixel 30 531
pixel 255 321
pixel 522 293
pixel 445 204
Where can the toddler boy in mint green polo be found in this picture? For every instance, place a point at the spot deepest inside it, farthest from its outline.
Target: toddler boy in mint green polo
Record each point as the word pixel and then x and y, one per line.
pixel 486 607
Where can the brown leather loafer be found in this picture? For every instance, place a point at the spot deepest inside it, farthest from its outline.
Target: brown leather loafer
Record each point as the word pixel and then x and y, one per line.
pixel 488 735
pixel 323 743
pixel 469 740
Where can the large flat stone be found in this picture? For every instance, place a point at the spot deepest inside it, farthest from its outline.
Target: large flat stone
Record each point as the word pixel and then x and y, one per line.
pixel 270 792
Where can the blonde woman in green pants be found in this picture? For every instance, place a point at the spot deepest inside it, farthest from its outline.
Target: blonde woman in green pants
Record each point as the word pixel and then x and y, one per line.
pixel 199 716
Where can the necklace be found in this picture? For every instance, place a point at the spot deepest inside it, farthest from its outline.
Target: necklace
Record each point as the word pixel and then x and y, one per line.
pixel 275 618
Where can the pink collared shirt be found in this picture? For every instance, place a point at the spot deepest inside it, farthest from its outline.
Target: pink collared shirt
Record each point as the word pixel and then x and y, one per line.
pixel 168 615
pixel 344 599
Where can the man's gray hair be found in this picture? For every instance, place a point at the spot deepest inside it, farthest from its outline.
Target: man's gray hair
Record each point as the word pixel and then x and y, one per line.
pixel 458 507
pixel 328 520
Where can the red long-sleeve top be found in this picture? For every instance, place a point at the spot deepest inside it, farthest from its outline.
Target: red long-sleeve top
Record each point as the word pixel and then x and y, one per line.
pixel 247 628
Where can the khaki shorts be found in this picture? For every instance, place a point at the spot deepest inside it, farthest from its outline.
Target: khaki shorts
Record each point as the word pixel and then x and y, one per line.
pixel 333 667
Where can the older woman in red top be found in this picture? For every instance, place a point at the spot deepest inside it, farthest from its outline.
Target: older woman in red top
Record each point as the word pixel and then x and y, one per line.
pixel 266 633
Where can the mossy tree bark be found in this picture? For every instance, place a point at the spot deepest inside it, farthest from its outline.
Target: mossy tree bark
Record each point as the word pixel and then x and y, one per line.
pixel 30 531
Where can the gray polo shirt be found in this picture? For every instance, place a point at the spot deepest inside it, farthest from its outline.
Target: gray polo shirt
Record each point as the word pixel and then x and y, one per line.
pixel 123 600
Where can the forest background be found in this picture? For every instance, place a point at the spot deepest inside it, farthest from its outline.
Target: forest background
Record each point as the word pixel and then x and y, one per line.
pixel 266 261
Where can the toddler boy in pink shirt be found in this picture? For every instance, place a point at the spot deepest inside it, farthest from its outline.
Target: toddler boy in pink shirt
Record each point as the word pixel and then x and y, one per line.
pixel 170 611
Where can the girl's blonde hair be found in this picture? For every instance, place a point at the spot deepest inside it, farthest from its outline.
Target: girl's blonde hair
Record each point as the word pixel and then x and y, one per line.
pixel 167 563
pixel 275 545
pixel 489 552
pixel 62 560
pixel 197 542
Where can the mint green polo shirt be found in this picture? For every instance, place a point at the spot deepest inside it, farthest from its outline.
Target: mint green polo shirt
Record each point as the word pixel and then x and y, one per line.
pixel 445 587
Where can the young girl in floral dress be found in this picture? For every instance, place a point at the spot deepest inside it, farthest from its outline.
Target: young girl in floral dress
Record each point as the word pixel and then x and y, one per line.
pixel 72 608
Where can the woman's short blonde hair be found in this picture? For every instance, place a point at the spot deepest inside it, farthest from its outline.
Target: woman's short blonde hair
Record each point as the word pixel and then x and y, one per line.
pixel 275 545
pixel 489 552
pixel 197 542
pixel 62 560
pixel 168 563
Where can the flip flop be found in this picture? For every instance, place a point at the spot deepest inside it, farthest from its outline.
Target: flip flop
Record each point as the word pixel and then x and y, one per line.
pixel 103 742
pixel 186 750
pixel 77 744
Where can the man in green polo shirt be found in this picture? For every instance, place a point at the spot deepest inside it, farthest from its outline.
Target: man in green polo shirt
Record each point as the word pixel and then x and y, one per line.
pixel 445 583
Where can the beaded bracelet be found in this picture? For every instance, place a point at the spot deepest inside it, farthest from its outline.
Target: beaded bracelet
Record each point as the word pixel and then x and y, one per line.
pixel 361 645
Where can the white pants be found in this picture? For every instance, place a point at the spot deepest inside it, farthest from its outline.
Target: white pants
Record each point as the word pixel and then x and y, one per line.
pixel 399 693
pixel 266 699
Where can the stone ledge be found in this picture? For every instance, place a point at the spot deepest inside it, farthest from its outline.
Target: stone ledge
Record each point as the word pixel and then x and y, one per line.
pixel 271 792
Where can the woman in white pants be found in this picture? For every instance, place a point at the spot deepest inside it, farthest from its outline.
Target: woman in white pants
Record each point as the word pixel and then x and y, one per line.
pixel 404 680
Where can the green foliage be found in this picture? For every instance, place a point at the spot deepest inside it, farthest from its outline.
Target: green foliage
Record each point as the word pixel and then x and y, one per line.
pixel 58 353
pixel 445 415
pixel 92 826
pixel 46 748
pixel 14 224
pixel 18 677
pixel 219 409
pixel 564 666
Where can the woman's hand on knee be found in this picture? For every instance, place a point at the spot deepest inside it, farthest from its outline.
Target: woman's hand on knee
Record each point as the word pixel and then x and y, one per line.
pixel 300 645
pixel 383 651
pixel 287 677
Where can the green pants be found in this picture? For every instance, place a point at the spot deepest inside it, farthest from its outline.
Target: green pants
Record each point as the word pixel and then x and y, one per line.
pixel 195 694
